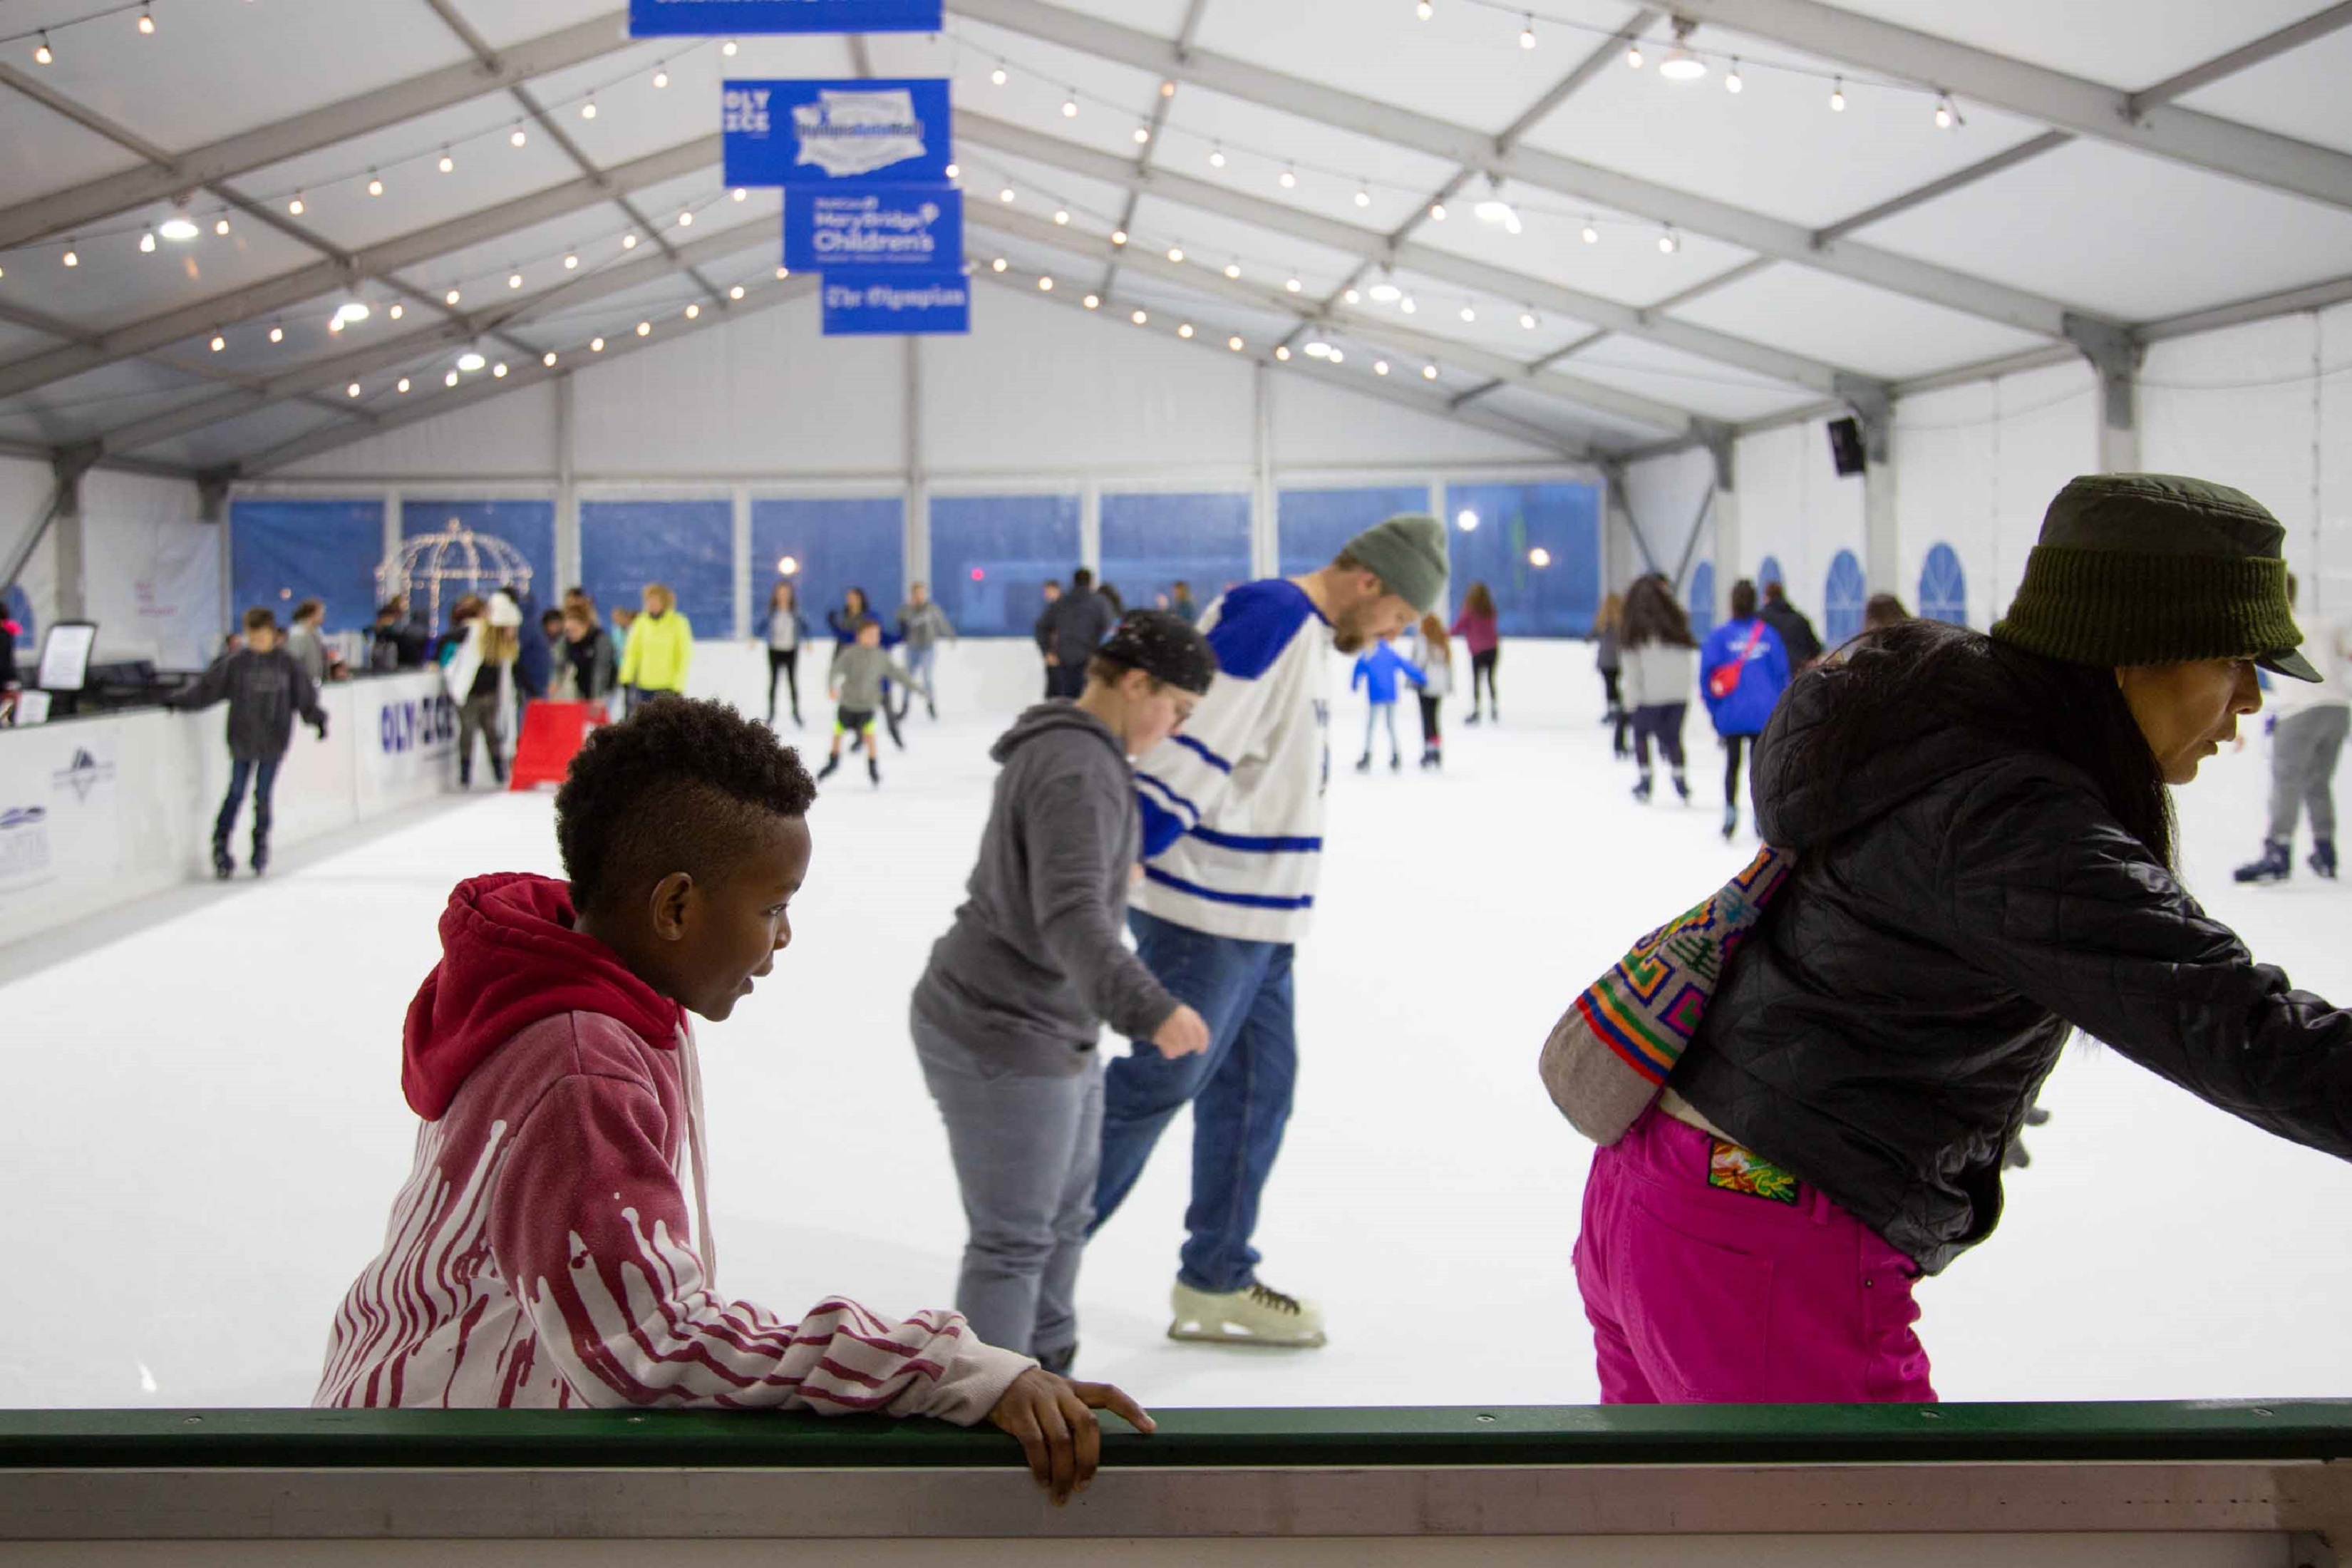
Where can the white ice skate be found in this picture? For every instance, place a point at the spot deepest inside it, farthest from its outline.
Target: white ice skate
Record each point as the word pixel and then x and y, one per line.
pixel 1252 1315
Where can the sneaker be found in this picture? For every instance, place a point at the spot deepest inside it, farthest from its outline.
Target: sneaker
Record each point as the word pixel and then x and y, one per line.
pixel 2273 867
pixel 2322 858
pixel 1252 1315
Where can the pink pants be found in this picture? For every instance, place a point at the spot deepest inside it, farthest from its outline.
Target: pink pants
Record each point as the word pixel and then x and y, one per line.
pixel 1702 1295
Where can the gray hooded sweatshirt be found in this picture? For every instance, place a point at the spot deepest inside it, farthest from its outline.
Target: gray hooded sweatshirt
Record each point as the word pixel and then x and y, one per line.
pixel 1034 966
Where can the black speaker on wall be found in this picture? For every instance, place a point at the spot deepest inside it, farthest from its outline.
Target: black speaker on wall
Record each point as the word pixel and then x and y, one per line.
pixel 1845 446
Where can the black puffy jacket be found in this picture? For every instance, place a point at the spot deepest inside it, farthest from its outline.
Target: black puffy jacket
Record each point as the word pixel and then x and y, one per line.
pixel 1960 900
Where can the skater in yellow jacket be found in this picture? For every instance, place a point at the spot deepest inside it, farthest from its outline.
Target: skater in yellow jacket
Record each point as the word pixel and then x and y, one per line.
pixel 660 648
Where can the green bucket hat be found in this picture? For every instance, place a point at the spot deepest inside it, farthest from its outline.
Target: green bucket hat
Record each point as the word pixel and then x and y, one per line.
pixel 2156 569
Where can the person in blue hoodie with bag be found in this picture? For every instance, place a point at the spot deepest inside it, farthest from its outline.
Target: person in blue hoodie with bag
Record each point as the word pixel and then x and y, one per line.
pixel 1377 669
pixel 1742 670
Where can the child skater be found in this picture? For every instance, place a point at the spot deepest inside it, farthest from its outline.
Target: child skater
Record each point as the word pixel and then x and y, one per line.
pixel 265 688
pixel 1433 655
pixel 545 1251
pixel 859 670
pixel 1661 660
pixel 1742 671
pixel 1377 669
pixel 1006 1018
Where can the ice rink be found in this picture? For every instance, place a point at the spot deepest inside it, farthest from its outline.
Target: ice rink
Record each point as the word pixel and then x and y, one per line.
pixel 205 1128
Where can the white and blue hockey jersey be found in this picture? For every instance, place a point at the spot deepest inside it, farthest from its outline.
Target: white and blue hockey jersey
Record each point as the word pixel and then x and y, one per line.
pixel 1232 805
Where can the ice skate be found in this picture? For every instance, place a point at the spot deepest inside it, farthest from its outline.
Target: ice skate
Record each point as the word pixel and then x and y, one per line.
pixel 1641 789
pixel 2273 867
pixel 873 771
pixel 1730 823
pixel 223 864
pixel 1396 762
pixel 260 856
pixel 832 766
pixel 2322 858
pixel 1252 1315
pixel 1472 721
pixel 1364 763
pixel 1682 788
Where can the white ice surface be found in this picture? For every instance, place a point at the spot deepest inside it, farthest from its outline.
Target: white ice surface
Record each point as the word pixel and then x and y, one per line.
pixel 205 1127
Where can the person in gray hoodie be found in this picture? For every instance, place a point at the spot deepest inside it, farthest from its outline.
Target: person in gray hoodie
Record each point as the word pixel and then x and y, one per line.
pixel 1007 1016
pixel 859 668
pixel 265 686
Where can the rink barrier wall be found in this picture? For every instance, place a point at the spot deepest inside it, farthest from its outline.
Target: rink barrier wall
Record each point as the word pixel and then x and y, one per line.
pixel 98 812
pixel 2065 1472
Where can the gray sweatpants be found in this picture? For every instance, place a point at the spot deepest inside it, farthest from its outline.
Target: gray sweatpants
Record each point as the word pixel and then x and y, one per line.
pixel 1026 1139
pixel 2302 770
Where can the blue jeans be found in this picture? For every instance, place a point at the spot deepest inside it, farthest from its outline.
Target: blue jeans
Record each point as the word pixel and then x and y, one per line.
pixel 1239 1088
pixel 262 778
pixel 920 663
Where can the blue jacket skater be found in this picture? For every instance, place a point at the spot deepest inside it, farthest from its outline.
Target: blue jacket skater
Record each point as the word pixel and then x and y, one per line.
pixel 1765 675
pixel 1377 669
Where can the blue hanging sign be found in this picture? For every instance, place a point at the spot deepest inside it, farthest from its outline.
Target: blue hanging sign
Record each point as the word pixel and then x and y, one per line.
pixel 817 132
pixel 875 299
pixel 671 19
pixel 918 226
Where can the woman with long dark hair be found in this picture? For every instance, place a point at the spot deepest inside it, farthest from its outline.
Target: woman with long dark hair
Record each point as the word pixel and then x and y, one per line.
pixel 786 629
pixel 1984 861
pixel 844 621
pixel 1481 632
pixel 1660 669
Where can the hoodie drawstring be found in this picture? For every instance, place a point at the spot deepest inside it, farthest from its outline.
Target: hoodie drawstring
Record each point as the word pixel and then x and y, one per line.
pixel 703 1241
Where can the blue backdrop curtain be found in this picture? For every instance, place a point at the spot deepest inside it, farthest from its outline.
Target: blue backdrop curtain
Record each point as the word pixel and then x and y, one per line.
pixel 1312 526
pixel 991 556
pixel 688 546
pixel 526 527
pixel 833 545
pixel 1538 549
pixel 282 552
pixel 1152 542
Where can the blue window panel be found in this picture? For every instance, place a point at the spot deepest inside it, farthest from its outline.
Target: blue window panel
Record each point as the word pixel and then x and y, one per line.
pixel 20 610
pixel 1944 587
pixel 284 551
pixel 991 557
pixel 1557 599
pixel 1770 572
pixel 1702 600
pixel 1152 542
pixel 688 546
pixel 835 545
pixel 527 530
pixel 1843 597
pixel 1313 526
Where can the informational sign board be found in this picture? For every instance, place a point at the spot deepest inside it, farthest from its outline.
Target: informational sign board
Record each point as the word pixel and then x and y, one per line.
pixel 824 132
pixel 868 300
pixel 64 657
pixel 710 18
pixel 918 226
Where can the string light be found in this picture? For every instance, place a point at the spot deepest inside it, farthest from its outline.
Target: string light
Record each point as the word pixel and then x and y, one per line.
pixel 629 240
pixel 661 78
pixel 1634 56
pixel 1528 320
pixel 1469 314
pixel 1363 197
pixel 1217 156
pixel 548 359
pixel 1407 306
pixel 451 297
pixel 1234 269
pixel 1290 178
pixel 999 264
pixel 1185 330
pixel 955 170
pixel 1380 367
pixel 1669 242
pixel 1093 301
pixel 595 345
pixel 1339 358
pixel 1142 135
pixel 588 109
pixel 645 329
pixel 1167 87
pixel 686 218
pixel 397 311
pixel 218 342
pixel 401 385
pixel 571 261
pixel 1837 96
pixel 1437 212
pixel 693 310
pixel 146 22
pixel 1044 284
pixel 1422 9
pixel 500 369
pixel 352 390
pixel 1293 285
pixel 1175 253
pixel 42 54
pixel 147 243
pixel 998 75
pixel 1731 82
pixel 450 379
pixel 1140 318
pixel 516 138
pixel 1351 296
pixel 73 256
pixel 374 184
pixel 1591 233
pixel 1118 237
pixel 735 292
pixel 1429 373
pixel 221 228
pixel 277 335
pixel 1235 343
pixel 783 273
pixel 1005 195
pixel 740 194
pixel 1070 105
pixel 295 205
pixel 1948 114
pixel 728 49
pixel 1062 216
pixel 1281 351
pixel 1527 34
pixel 1538 557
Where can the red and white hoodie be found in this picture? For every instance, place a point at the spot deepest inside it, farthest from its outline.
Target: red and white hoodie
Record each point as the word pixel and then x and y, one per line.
pixel 545 1252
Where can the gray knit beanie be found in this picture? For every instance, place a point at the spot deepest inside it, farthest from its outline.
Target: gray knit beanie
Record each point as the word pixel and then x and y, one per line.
pixel 1407 553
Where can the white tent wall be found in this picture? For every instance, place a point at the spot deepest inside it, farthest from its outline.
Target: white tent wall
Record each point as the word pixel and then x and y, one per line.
pixel 1793 506
pixel 151 573
pixel 1663 497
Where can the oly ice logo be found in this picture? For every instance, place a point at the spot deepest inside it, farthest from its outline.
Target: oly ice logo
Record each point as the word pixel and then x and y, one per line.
pixel 851 133
pixel 745 109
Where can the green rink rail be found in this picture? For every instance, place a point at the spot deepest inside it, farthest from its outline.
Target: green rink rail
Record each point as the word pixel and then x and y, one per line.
pixel 2276 1431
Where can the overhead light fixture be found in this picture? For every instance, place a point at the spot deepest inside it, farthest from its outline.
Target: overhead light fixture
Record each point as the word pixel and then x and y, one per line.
pixel 1175 253
pixel 1421 9
pixel 1527 319
pixel 1429 373
pixel 629 240
pixel 178 226
pixel 1142 135
pixel 1363 197
pixel 783 273
pixel 374 184
pixel 1592 232
pixel 471 359
pixel 500 369
pixel 449 379
pixel 686 218
pixel 397 311
pixel 352 390
pixel 451 297
pixel 1634 56
pixel 1217 156
pixel 1948 114
pixel 1437 212
pixel 571 261
pixel 1407 306
pixel 1495 210
pixel 1386 292
pixel 693 310
pixel 1118 237
pixel 1005 195
pixel 645 329
pixel 1293 284
pixel 1468 313
pixel 1466 520
pixel 401 385
pixel 999 264
pixel 1185 330
pixel 1339 358
pixel 955 170
pixel 1317 348
pixel 277 335
pixel 1167 87
pixel 514 279
pixel 740 194
pixel 1680 64
pixel 1070 105
pixel 1093 301
pixel 351 312
pixel 1234 269
pixel 1062 216
pixel 218 342
pixel 1141 318
pixel 1538 558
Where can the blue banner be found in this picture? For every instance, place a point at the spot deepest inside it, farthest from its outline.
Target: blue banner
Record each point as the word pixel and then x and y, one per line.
pixel 871 300
pixel 873 226
pixel 669 18
pixel 818 133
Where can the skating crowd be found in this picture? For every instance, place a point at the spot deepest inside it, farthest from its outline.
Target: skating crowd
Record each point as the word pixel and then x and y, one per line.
pixel 1970 855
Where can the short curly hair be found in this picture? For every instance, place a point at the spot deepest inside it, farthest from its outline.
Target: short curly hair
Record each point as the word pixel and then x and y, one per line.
pixel 679 786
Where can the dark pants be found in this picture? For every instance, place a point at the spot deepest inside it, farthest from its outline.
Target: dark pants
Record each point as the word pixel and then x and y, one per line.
pixel 1431 740
pixel 1239 1088
pixel 1482 668
pixel 1065 680
pixel 1662 722
pixel 1609 687
pixel 261 777
pixel 1733 746
pixel 786 662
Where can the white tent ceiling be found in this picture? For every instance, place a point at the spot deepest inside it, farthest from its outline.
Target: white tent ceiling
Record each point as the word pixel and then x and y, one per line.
pixel 1680 258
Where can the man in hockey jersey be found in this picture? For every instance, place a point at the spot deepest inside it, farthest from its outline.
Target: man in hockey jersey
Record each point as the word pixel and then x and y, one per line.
pixel 1232 838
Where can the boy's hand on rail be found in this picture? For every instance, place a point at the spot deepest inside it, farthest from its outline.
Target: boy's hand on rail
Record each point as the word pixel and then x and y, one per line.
pixel 1054 1421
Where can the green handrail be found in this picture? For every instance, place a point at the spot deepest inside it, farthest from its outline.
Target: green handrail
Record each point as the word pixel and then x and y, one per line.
pixel 2247 1431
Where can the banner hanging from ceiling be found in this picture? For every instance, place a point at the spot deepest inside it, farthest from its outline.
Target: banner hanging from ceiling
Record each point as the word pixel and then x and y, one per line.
pixel 822 132
pixel 710 18
pixel 918 226
pixel 870 300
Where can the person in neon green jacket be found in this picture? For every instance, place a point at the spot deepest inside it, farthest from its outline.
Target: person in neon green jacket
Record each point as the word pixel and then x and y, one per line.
pixel 660 648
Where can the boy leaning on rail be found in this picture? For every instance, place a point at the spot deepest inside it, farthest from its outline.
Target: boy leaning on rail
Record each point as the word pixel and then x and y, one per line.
pixel 551 1246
